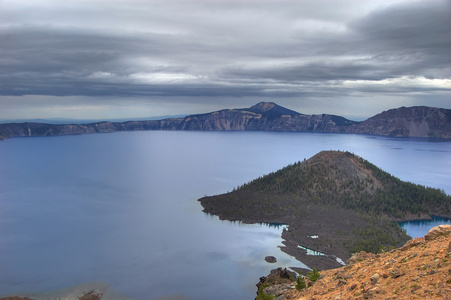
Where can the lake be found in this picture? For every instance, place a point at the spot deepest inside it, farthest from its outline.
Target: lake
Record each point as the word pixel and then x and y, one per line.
pixel 122 208
pixel 419 228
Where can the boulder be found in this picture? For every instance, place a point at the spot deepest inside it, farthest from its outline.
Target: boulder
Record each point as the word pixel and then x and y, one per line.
pixel 437 231
pixel 358 257
pixel 271 259
pixel 278 289
pixel 374 278
pixel 281 273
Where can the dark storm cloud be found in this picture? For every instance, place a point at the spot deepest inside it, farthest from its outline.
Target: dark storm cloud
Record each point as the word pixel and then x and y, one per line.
pixel 313 71
pixel 413 26
pixel 415 37
pixel 408 40
pixel 220 49
pixel 55 62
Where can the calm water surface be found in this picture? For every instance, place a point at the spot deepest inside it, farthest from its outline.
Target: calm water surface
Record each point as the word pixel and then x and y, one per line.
pixel 121 208
pixel 420 228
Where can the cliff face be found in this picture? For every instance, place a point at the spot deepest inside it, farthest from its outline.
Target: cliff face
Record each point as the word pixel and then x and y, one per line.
pixel 265 116
pixel 40 129
pixel 418 121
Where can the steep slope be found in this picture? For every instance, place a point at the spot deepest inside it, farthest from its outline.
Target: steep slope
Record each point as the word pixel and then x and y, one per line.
pixel 417 121
pixel 336 196
pixel 418 270
pixel 270 108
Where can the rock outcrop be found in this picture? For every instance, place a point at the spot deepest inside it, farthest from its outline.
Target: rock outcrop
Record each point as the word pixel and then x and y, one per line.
pixel 270 259
pixel 421 269
pixel 438 231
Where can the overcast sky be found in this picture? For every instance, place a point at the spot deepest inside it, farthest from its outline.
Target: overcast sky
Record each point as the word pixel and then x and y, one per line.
pixel 111 59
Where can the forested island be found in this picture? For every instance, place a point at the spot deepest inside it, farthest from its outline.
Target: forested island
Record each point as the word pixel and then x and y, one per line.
pixel 417 121
pixel 335 203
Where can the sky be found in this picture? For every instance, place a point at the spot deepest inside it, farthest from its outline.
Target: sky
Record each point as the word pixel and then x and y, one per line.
pixel 110 59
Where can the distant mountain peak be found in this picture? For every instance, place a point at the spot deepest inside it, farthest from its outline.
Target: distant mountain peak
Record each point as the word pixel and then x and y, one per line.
pixel 264 106
pixel 270 108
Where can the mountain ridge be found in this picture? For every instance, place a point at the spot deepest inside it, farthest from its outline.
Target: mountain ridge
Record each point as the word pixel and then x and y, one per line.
pixel 417 121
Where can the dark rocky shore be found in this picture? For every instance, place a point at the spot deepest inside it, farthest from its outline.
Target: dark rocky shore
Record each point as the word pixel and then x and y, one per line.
pixel 322 230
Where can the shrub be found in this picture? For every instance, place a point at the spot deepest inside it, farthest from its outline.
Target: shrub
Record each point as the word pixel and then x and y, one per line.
pixel 261 294
pixel 300 283
pixel 313 275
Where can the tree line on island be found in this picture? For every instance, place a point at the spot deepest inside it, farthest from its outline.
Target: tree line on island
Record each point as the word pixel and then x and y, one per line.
pixel 351 182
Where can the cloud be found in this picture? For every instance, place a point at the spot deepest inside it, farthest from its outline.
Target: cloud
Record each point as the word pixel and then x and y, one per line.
pixel 403 85
pixel 412 38
pixel 223 49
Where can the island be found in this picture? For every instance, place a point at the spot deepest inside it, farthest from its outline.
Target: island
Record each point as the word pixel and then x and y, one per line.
pixel 334 203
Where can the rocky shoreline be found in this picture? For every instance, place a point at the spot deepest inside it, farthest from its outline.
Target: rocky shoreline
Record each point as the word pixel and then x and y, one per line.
pixel 313 233
pixel 418 270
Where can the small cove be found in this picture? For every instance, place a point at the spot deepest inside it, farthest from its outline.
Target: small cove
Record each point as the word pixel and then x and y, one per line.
pixel 419 228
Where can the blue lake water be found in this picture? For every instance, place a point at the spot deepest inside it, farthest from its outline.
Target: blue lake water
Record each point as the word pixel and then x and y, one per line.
pixel 417 229
pixel 121 208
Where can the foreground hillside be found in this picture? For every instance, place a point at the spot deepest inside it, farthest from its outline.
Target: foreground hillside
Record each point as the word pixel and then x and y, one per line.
pixel 335 203
pixel 265 116
pixel 421 269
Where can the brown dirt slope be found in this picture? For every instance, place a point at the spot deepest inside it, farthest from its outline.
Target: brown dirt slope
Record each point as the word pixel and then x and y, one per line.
pixel 421 269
